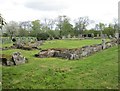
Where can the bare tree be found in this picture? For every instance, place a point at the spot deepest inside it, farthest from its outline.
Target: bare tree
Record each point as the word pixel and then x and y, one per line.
pixel 60 20
pixel 48 24
pixel 81 23
pixel 2 22
pixel 12 28
pixel 96 27
pixel 26 25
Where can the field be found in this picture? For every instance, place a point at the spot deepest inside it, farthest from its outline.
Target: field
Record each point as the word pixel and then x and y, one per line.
pixel 99 71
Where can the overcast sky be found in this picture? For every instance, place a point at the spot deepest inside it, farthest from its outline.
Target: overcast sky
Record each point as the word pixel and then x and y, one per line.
pixel 24 10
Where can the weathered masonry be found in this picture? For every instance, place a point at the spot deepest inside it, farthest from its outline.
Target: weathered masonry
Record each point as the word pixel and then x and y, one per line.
pixel 76 53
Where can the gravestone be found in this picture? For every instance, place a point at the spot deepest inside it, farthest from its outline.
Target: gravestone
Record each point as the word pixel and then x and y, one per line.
pixel 63 37
pixel 31 40
pixel 103 44
pixel 117 35
pixel 98 35
pixel 74 36
pixel 92 35
pixel 69 36
pixel 52 38
pixel 105 36
pixel 48 38
pixel 80 36
pixel 110 37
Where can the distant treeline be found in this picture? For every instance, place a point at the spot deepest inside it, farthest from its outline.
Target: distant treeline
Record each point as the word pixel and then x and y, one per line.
pixel 57 28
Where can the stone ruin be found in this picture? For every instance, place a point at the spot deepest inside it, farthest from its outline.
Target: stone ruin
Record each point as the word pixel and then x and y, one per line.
pixel 76 53
pixel 15 59
pixel 27 46
pixel 22 43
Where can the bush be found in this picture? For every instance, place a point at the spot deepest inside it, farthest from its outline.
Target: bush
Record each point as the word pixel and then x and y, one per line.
pixel 42 36
pixel 5 35
pixel 14 40
pixel 57 37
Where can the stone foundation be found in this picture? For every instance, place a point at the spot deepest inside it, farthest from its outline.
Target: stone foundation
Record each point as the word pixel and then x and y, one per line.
pixel 24 46
pixel 76 53
pixel 27 46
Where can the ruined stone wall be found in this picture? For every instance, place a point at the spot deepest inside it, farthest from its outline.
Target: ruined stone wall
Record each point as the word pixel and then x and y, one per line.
pixel 15 59
pixel 76 53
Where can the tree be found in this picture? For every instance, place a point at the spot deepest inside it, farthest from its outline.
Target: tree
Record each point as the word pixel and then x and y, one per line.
pixel 42 36
pixel 80 24
pixel 51 33
pixel 96 27
pixel 59 22
pixel 101 27
pixel 22 32
pixel 36 27
pixel 109 30
pixel 67 28
pixel 51 24
pixel 2 22
pixel 12 28
pixel 48 24
pixel 26 25
pixel 25 28
pixel 64 26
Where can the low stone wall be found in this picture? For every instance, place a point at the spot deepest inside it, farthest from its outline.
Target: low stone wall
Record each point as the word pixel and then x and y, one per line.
pixel 24 46
pixel 76 53
pixel 27 46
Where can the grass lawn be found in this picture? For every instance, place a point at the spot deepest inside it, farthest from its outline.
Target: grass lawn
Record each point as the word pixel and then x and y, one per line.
pixel 6 45
pixel 67 43
pixel 70 43
pixel 97 71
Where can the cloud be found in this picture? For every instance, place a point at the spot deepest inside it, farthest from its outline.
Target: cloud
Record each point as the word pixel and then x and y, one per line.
pixel 45 5
pixel 23 10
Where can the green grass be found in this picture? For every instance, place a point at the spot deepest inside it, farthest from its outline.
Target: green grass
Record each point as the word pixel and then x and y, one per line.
pixel 70 43
pixel 97 71
pixel 6 45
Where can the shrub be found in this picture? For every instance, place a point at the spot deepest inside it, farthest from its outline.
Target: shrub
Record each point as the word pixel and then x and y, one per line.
pixel 14 40
pixel 42 36
pixel 5 35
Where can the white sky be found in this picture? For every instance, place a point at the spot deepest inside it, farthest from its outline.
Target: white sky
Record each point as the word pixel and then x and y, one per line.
pixel 24 10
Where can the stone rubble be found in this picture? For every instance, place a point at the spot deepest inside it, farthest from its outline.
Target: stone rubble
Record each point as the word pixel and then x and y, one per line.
pixel 27 46
pixel 15 59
